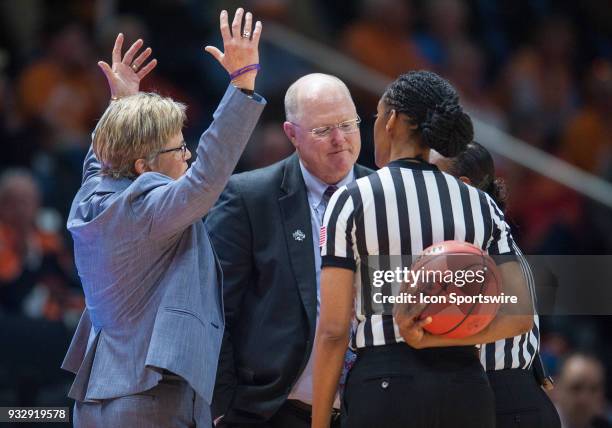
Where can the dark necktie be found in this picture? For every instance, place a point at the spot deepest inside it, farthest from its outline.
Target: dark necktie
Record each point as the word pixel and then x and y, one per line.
pixel 328 193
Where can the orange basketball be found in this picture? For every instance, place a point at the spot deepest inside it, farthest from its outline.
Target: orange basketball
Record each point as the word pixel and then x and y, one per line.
pixel 458 283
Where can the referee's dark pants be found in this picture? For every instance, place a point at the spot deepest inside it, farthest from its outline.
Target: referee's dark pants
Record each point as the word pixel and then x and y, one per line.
pixel 396 386
pixel 520 402
pixel 292 414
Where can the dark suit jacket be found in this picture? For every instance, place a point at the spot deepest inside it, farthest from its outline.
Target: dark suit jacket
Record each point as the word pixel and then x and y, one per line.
pixel 269 289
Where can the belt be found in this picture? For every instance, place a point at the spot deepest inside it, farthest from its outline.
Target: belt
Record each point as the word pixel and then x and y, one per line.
pixel 514 376
pixel 306 409
pixel 446 356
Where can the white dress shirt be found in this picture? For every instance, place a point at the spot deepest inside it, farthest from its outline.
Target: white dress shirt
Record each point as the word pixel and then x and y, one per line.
pixel 315 188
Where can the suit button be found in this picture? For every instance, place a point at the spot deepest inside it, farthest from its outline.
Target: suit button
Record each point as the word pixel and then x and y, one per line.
pixel 384 384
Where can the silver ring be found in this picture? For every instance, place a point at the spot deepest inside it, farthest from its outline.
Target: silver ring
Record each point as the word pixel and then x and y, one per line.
pixel 246 35
pixel 135 67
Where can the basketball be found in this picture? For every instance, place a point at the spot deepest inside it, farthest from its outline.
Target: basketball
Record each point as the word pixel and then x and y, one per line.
pixel 461 286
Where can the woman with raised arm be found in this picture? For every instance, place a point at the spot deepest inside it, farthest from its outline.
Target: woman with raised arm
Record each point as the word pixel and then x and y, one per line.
pixel 146 348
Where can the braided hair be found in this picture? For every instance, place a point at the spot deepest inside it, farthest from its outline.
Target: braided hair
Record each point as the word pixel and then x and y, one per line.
pixel 432 104
pixel 476 163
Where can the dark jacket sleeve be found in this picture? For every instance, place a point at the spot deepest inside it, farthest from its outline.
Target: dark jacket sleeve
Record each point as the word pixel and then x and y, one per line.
pixel 230 232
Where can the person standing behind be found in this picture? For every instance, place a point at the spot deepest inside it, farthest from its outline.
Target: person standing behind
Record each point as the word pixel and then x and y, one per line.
pixel 265 230
pixel 513 365
pixel 146 347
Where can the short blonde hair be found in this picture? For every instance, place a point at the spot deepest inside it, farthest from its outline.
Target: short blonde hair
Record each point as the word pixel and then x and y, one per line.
pixel 135 127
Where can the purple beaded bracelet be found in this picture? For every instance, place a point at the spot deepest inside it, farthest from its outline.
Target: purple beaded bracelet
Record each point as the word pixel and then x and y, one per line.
pixel 244 70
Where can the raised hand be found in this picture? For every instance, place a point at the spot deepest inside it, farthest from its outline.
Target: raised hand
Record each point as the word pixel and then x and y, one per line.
pixel 125 75
pixel 240 46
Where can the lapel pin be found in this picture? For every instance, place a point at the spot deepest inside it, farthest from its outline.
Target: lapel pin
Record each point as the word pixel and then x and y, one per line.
pixel 298 235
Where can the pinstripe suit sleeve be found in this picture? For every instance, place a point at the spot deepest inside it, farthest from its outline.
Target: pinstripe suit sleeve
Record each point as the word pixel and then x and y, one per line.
pixel 91 165
pixel 178 204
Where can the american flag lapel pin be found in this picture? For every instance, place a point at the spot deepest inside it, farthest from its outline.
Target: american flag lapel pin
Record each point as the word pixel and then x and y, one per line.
pixel 323 236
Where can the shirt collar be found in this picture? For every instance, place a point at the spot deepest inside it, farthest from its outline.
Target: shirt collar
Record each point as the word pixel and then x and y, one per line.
pixel 413 163
pixel 315 187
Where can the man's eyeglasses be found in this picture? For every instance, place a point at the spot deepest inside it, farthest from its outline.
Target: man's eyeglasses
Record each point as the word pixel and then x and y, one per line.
pixel 347 127
pixel 182 148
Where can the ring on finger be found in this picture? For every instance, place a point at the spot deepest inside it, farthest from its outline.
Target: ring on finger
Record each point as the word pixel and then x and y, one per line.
pixel 246 35
pixel 135 67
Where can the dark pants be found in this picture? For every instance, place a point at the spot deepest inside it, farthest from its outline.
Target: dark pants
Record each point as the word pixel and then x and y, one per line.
pixel 288 416
pixel 520 402
pixel 395 386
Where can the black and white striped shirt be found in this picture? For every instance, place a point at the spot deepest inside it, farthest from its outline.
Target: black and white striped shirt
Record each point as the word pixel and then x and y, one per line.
pixel 400 210
pixel 518 352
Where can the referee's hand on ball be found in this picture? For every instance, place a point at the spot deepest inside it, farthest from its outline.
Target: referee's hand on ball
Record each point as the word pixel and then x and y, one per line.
pixel 407 318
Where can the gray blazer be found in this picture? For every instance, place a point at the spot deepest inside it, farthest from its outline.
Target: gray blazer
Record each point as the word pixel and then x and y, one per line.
pixel 151 279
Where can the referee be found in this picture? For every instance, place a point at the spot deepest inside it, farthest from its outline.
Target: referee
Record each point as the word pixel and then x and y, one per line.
pixel 402 209
pixel 513 365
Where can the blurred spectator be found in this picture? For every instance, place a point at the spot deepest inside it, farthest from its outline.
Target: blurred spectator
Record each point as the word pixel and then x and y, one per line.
pixel 381 37
pixel 537 87
pixel 539 95
pixel 22 21
pixel 17 140
pixel 39 300
pixel 268 145
pixel 587 142
pixel 446 25
pixel 64 90
pixel 580 392
pixel 505 24
pixel 58 97
pixel 548 213
pixel 465 68
pixel 36 273
pixel 552 348
pixel 299 15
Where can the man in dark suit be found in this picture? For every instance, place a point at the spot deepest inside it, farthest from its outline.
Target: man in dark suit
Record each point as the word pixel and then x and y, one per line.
pixel 265 230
